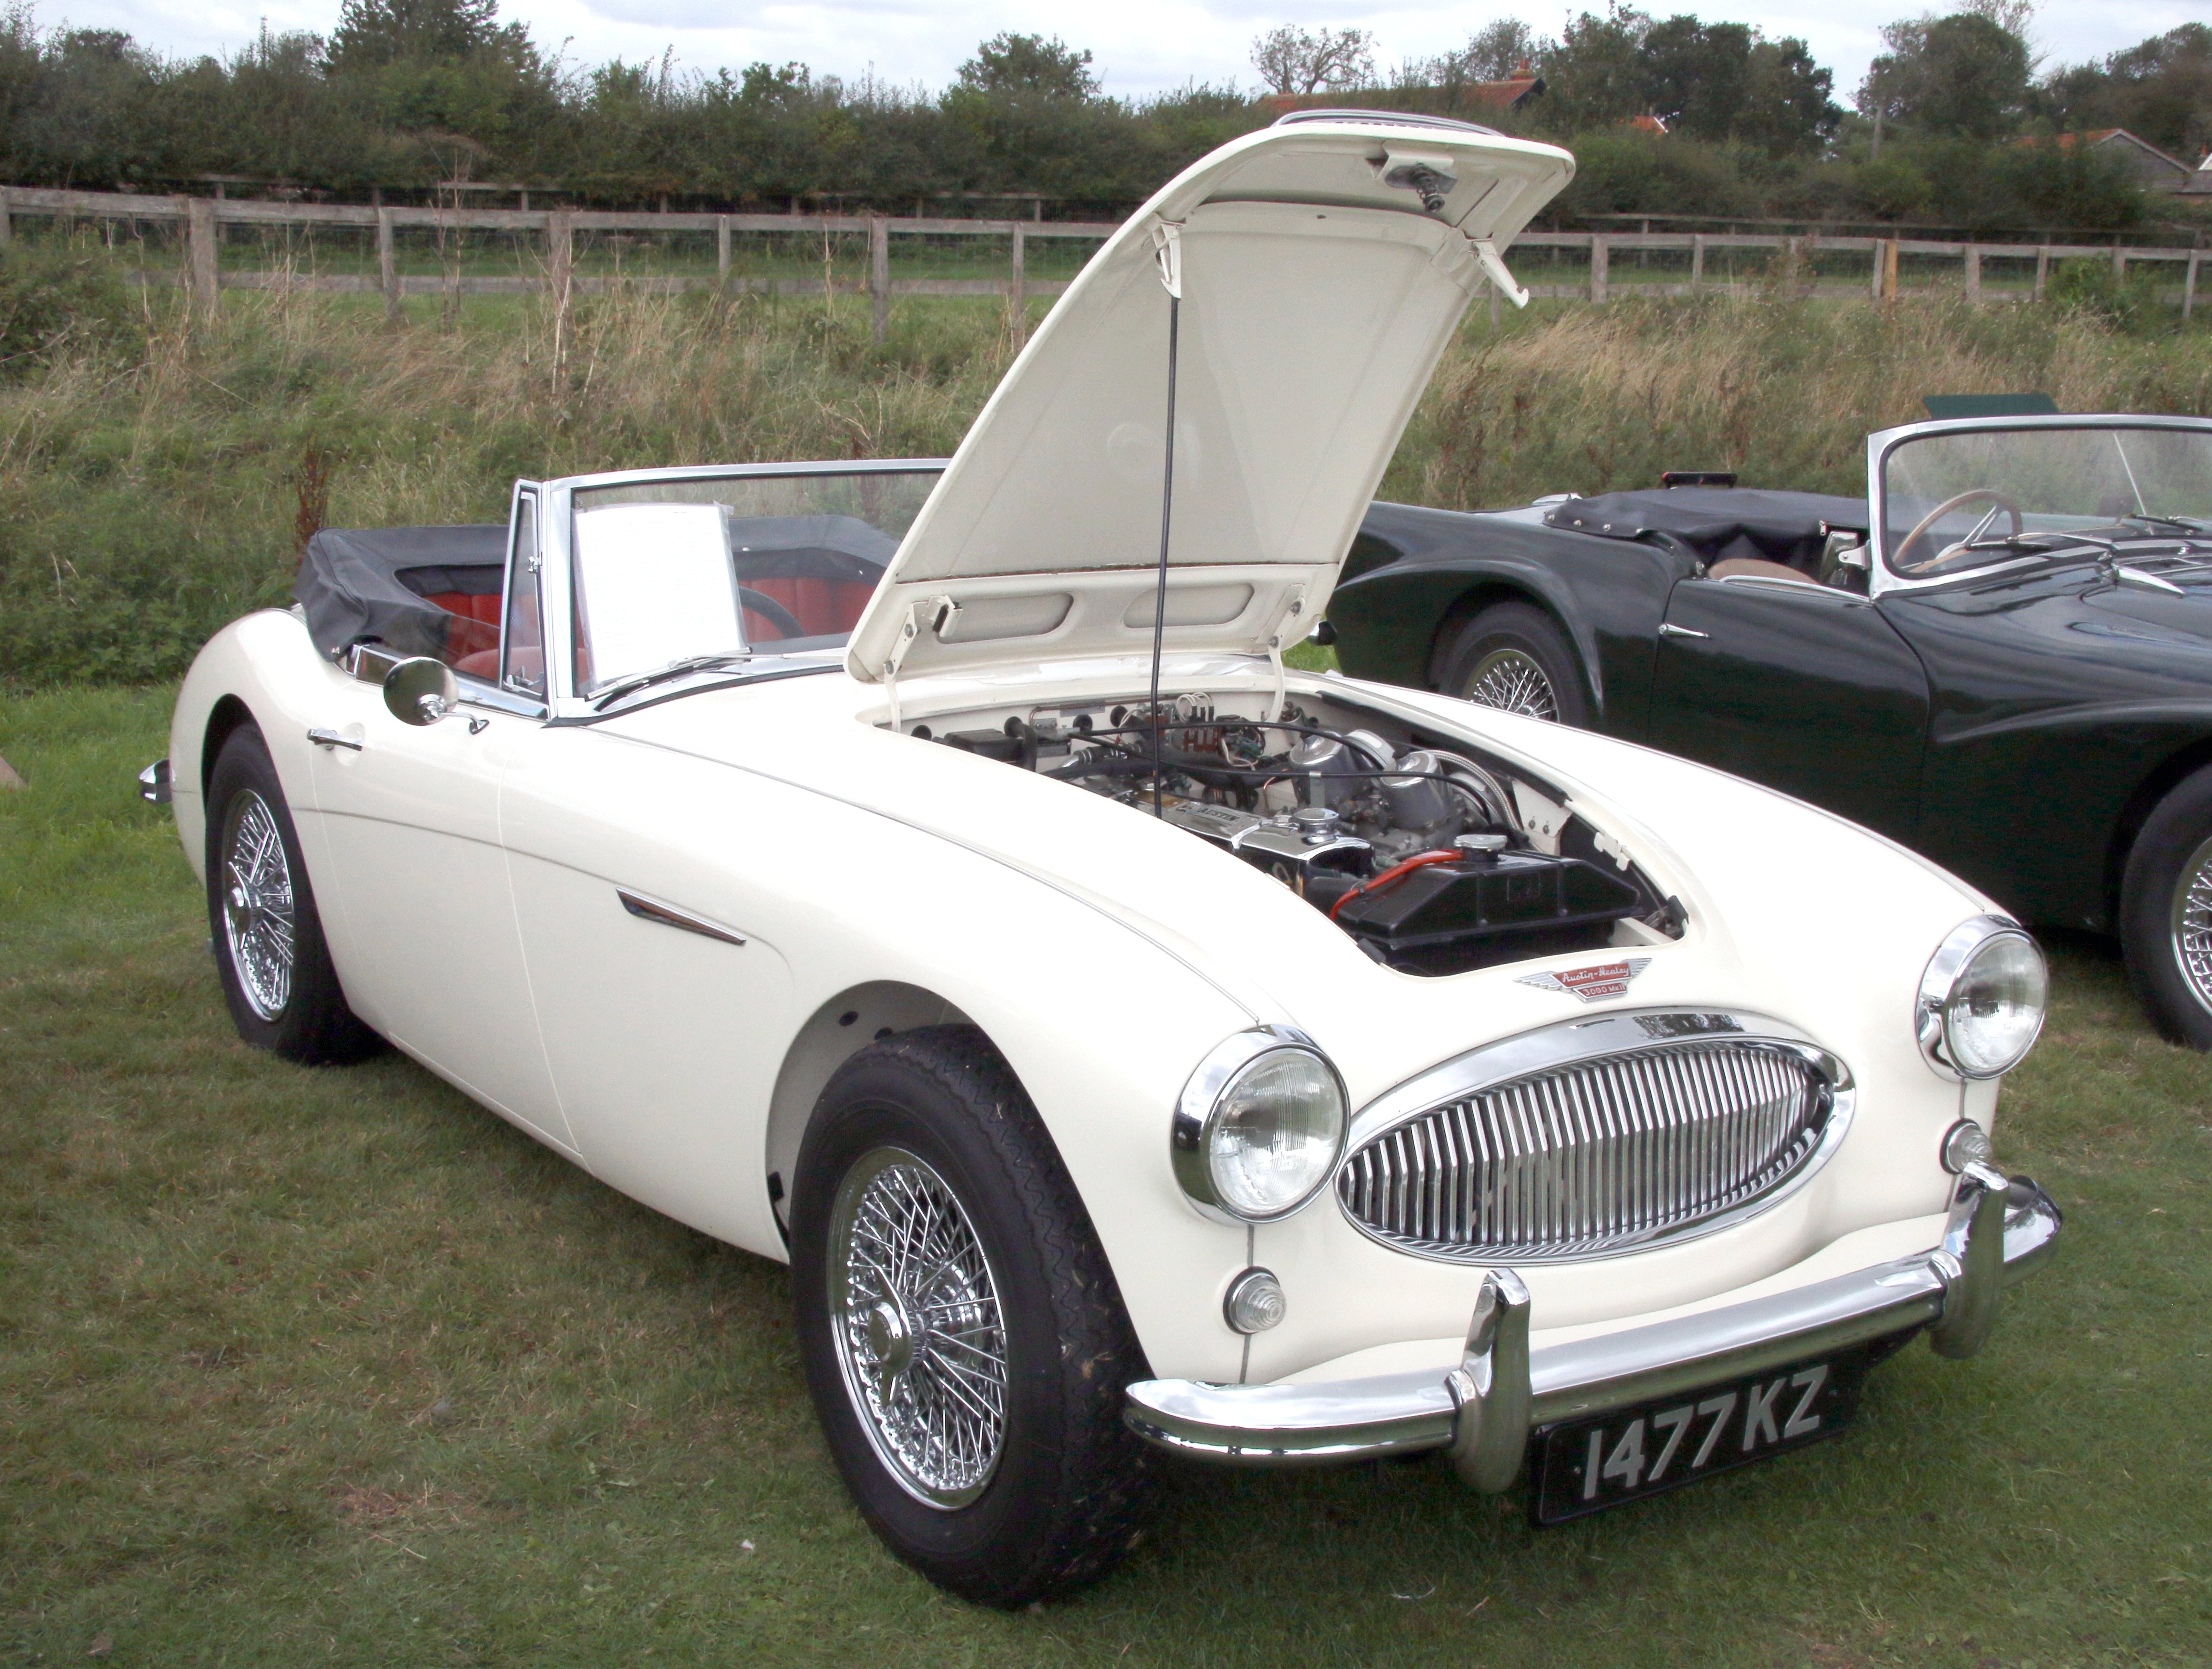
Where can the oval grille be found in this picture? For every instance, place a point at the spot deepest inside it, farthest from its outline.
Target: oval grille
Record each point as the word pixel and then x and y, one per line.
pixel 1602 1153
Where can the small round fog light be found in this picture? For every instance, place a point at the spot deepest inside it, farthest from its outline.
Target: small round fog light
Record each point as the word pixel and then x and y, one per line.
pixel 1964 1144
pixel 1256 1302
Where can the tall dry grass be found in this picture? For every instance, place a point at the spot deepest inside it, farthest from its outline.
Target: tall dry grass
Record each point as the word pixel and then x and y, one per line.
pixel 158 476
pixel 147 495
pixel 1785 392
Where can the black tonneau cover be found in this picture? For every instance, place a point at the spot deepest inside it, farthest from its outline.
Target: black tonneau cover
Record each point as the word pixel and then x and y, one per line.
pixel 1719 521
pixel 371 585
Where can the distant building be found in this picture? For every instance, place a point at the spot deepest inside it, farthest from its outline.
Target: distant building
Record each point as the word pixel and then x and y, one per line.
pixel 2154 170
pixel 2200 183
pixel 1458 99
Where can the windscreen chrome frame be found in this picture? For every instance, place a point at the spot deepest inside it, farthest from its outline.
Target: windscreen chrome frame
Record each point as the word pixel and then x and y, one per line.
pixel 1881 577
pixel 556 543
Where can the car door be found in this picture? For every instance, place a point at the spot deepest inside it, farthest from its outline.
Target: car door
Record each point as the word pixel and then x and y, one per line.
pixel 428 947
pixel 1802 687
pixel 663 1006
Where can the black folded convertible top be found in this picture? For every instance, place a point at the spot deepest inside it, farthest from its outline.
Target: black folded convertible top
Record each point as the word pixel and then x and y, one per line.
pixel 373 584
pixel 1781 526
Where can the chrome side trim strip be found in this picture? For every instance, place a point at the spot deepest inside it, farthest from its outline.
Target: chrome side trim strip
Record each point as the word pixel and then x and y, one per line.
pixel 668 915
pixel 1483 1409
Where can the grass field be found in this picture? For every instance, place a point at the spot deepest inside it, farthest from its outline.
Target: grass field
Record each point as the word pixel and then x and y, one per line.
pixel 159 472
pixel 309 1366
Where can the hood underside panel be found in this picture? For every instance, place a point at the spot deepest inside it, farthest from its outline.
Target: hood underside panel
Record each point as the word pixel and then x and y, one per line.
pixel 1316 301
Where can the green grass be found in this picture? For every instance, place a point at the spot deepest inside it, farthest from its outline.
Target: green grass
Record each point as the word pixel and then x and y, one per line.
pixel 334 1366
pixel 159 471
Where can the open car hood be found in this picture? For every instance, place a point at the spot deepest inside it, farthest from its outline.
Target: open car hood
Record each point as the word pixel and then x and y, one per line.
pixel 1316 295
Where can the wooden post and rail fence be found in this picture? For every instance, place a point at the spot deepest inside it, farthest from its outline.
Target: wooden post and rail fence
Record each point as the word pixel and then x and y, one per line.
pixel 1791 260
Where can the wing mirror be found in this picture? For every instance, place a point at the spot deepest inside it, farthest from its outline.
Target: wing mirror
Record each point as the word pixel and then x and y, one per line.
pixel 420 691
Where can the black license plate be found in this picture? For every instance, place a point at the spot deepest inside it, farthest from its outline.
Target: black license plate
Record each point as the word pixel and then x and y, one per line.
pixel 1588 1465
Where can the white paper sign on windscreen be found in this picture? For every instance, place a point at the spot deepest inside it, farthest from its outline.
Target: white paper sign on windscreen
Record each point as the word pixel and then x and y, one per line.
pixel 656 585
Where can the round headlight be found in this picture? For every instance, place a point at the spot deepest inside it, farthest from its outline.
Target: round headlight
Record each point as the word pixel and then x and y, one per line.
pixel 1982 999
pixel 1259 1126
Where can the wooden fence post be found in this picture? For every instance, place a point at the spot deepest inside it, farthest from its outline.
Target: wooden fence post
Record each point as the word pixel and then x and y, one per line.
pixel 1018 287
pixel 1601 267
pixel 560 259
pixel 879 275
pixel 1973 258
pixel 200 279
pixel 7 227
pixel 1885 270
pixel 2189 284
pixel 2042 269
pixel 722 249
pixel 388 266
pixel 2119 263
pixel 1696 259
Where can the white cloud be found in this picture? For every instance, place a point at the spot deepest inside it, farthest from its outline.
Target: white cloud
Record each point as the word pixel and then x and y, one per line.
pixel 1140 46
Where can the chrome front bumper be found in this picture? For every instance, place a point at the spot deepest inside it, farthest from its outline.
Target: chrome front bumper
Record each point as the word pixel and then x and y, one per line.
pixel 1484 1409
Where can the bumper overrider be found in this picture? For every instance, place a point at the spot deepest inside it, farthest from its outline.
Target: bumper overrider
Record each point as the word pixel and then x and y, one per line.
pixel 1484 1410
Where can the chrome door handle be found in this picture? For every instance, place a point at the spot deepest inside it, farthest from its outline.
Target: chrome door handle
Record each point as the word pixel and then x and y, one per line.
pixel 330 738
pixel 1668 628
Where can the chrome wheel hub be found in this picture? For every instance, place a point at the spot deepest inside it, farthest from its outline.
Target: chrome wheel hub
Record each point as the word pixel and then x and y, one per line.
pixel 1510 679
pixel 915 1321
pixel 257 904
pixel 2192 924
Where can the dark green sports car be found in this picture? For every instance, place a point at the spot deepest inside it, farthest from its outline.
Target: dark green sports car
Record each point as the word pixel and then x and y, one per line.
pixel 2002 656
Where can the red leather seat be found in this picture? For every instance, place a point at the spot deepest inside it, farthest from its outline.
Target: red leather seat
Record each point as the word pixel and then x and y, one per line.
pixel 823 608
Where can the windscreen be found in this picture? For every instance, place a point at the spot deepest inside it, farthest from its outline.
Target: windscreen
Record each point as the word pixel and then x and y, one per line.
pixel 1960 500
pixel 725 566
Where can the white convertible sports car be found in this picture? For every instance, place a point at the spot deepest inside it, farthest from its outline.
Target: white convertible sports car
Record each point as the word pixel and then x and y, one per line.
pixel 932 874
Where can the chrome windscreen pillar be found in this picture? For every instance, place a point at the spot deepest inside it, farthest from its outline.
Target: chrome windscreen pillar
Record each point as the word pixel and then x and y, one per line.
pixel 1490 1387
pixel 1974 1246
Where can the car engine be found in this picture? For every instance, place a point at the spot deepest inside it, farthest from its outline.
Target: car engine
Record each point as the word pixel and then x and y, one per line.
pixel 1429 858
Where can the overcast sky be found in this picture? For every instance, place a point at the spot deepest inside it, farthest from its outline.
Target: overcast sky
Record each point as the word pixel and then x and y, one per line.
pixel 1140 45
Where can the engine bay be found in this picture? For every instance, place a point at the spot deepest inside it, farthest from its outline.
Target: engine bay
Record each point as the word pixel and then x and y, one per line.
pixel 1433 857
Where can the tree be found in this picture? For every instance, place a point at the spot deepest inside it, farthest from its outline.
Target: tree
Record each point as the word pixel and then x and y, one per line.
pixel 1501 49
pixel 1963 77
pixel 1720 82
pixel 1301 62
pixel 1016 64
pixel 2159 90
pixel 372 33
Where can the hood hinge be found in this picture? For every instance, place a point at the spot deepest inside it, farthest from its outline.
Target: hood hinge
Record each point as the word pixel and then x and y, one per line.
pixel 1291 610
pixel 940 611
pixel 1494 268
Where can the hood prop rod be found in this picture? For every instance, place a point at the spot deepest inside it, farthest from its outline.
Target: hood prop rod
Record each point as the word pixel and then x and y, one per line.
pixel 1167 249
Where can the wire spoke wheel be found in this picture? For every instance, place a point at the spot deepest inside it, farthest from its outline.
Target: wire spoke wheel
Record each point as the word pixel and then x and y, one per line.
pixel 917 1326
pixel 258 905
pixel 2192 924
pixel 1511 679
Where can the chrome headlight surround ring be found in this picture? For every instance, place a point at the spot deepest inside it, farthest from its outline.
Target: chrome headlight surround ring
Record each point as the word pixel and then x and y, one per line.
pixel 1200 1100
pixel 1939 983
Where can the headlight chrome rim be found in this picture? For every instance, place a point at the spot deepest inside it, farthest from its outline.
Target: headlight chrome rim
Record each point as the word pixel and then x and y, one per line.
pixel 1201 1104
pixel 1931 1016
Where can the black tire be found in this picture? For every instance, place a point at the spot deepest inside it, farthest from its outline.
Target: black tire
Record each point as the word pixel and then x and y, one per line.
pixel 1514 656
pixel 1068 1491
pixel 2173 848
pixel 307 1020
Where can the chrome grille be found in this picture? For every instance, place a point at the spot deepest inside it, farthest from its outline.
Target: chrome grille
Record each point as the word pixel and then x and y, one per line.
pixel 1599 1153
